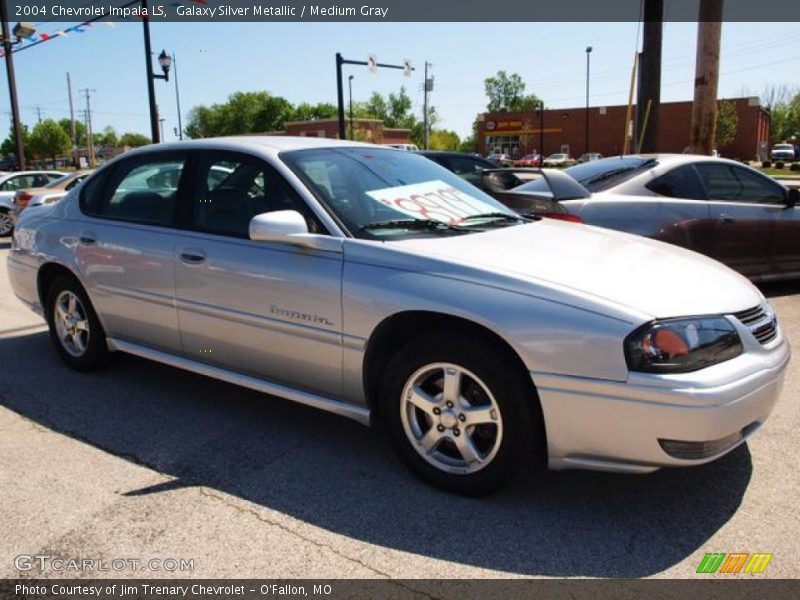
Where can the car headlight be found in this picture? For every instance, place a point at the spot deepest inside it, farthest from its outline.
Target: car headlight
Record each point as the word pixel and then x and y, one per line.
pixel 681 345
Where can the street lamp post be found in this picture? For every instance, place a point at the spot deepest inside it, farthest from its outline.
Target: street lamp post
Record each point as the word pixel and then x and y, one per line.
pixel 588 55
pixel 177 97
pixel 541 133
pixel 165 62
pixel 20 31
pixel 350 84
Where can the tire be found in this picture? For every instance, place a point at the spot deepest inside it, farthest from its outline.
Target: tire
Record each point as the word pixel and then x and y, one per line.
pixel 6 224
pixel 75 329
pixel 478 451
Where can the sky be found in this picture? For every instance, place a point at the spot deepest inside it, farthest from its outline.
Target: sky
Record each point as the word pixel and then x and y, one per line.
pixel 296 61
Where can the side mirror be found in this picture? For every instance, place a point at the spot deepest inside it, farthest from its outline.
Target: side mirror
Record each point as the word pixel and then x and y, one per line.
pixel 793 198
pixel 278 226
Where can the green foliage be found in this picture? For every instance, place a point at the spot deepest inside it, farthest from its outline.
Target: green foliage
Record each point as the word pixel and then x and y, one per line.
pixel 506 93
pixel 133 140
pixel 9 145
pixel 795 166
pixel 108 137
pixel 727 123
pixel 313 112
pixel 779 164
pixel 442 139
pixel 80 130
pixel 785 120
pixel 244 112
pixel 766 164
pixel 48 139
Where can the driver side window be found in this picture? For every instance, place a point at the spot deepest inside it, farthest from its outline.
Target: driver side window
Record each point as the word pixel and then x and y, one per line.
pixel 231 190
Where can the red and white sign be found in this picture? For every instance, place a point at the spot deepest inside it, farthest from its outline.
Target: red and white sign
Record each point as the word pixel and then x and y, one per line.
pixel 431 200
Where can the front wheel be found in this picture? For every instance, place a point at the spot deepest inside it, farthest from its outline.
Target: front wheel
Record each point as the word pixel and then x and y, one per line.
pixel 6 223
pixel 461 413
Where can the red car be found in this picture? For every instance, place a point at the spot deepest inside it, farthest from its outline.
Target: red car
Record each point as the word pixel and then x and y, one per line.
pixel 529 160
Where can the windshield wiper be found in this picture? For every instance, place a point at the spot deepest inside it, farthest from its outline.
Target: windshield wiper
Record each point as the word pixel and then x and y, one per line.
pixel 494 216
pixel 409 224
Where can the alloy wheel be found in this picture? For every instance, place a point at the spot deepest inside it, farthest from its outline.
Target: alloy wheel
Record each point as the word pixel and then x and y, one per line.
pixel 451 418
pixel 6 224
pixel 72 323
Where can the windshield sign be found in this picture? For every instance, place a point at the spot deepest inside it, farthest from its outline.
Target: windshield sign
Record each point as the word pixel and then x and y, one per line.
pixel 430 200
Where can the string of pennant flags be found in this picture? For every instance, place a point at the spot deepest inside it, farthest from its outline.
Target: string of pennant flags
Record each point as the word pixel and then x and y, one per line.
pixel 39 38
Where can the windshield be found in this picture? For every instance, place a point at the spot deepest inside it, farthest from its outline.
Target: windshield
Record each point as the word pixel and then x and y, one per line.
pixel 382 194
pixel 598 175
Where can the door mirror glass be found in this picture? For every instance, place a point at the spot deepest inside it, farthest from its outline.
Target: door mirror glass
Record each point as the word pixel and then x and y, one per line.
pixel 793 197
pixel 278 226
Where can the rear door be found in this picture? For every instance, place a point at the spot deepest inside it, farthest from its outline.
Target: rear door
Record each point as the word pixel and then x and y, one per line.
pixel 125 248
pixel 270 310
pixel 744 208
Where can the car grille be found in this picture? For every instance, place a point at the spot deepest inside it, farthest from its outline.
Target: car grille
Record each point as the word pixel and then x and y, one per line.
pixel 763 325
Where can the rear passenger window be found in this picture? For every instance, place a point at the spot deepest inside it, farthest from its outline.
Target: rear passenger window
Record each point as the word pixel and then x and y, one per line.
pixel 232 191
pixel 146 193
pixel 681 182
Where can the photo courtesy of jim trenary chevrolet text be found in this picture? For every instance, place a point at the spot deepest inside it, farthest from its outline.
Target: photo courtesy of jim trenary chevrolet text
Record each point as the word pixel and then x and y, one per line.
pixel 399 299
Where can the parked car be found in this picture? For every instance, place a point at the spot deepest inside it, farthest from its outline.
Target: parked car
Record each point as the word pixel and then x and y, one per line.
pixel 48 194
pixel 406 147
pixel 782 152
pixel 590 156
pixel 10 183
pixel 715 206
pixel 557 159
pixel 469 167
pixel 529 160
pixel 380 286
pixel 500 158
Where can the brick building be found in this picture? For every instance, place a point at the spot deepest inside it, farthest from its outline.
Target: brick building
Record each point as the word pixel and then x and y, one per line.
pixel 517 133
pixel 367 130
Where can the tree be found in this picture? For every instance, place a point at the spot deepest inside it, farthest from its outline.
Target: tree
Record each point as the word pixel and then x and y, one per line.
pixel 49 139
pixel 108 137
pixel 9 145
pixel 80 130
pixel 442 139
pixel 133 140
pixel 313 112
pixel 506 93
pixel 727 123
pixel 243 112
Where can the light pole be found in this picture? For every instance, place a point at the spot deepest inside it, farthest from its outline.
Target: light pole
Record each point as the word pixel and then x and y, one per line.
pixel 350 85
pixel 177 97
pixel 588 55
pixel 21 30
pixel 166 62
pixel 161 128
pixel 541 133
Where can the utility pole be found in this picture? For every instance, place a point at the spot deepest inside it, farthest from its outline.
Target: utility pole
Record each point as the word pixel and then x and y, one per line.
pixel 38 114
pixel 427 88
pixel 588 62
pixel 151 89
pixel 89 141
pixel 649 90
pixel 706 80
pixel 177 97
pixel 12 86
pixel 73 134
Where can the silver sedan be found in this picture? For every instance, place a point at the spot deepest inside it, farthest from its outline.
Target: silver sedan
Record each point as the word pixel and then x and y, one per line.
pixel 377 285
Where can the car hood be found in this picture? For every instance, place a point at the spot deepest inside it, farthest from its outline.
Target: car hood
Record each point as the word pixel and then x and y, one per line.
pixel 648 276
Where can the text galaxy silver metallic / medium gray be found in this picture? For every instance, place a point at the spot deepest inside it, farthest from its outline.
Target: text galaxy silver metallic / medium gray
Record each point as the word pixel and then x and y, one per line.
pixel 377 285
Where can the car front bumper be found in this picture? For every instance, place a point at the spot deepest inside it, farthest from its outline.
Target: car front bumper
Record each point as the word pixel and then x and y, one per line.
pixel 622 426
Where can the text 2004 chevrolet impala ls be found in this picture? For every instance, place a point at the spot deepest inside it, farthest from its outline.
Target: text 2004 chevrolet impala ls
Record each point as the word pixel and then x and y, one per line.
pixel 372 282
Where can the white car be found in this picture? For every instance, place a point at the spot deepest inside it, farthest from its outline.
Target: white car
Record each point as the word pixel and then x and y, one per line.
pixel 782 152
pixel 406 147
pixel 559 158
pixel 11 183
pixel 379 286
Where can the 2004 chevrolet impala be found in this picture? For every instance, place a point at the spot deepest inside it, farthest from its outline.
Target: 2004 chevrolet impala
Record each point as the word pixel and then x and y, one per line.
pixel 374 283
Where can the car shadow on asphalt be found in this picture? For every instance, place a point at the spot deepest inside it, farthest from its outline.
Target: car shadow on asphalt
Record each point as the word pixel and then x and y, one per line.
pixel 5 244
pixel 339 476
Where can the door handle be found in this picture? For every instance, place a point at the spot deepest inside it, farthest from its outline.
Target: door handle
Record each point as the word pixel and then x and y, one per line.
pixel 192 257
pixel 725 218
pixel 87 239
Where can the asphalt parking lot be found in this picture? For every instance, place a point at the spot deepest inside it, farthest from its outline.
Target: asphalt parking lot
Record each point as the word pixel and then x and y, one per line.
pixel 145 461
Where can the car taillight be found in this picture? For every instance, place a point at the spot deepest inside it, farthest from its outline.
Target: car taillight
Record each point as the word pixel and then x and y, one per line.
pixel 22 199
pixel 563 217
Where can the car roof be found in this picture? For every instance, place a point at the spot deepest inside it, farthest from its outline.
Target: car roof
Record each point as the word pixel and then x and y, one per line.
pixel 270 144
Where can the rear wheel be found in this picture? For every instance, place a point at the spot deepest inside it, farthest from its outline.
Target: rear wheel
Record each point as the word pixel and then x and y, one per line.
pixel 74 327
pixel 461 414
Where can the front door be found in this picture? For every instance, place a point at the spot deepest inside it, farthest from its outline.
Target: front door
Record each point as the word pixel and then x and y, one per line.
pixel 264 309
